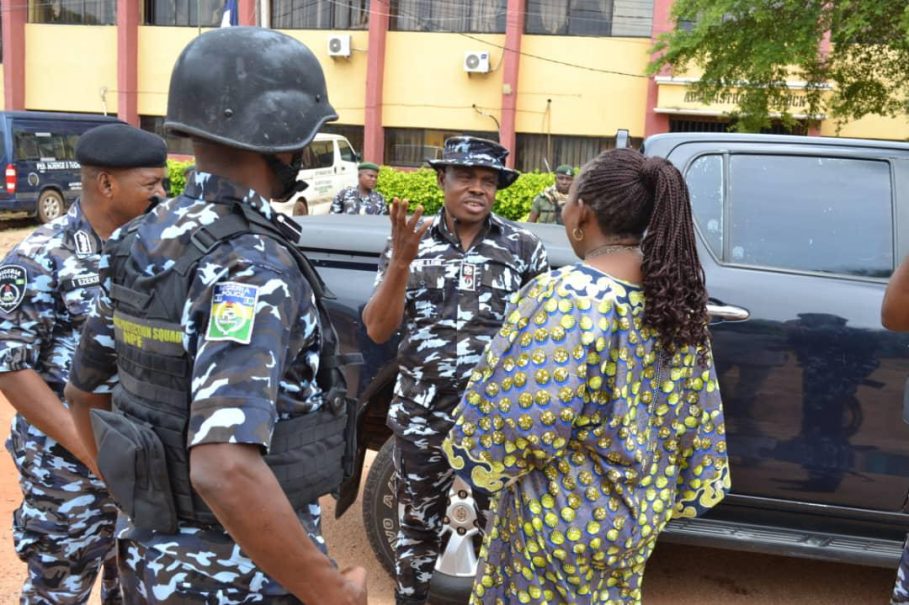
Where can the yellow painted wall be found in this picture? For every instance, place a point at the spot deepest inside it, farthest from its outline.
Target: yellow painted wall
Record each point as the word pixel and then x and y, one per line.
pixel 584 102
pixel 871 127
pixel 426 86
pixel 159 48
pixel 346 78
pixel 67 66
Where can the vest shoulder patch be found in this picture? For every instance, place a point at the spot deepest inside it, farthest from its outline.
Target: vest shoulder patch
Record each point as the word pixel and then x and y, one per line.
pixel 13 280
pixel 233 312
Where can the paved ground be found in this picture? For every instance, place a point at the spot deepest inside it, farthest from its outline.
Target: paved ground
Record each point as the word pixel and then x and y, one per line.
pixel 676 575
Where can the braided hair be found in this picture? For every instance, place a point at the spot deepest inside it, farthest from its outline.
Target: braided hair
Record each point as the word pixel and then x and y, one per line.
pixel 634 196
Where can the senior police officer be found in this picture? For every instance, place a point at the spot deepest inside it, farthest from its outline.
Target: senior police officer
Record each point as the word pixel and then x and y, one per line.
pixel 215 334
pixel 362 199
pixel 547 206
pixel 448 279
pixel 63 530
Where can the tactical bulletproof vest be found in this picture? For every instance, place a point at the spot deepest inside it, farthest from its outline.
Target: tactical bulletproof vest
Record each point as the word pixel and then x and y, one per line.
pixel 309 454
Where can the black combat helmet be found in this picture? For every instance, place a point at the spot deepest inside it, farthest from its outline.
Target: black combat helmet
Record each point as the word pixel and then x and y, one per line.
pixel 248 87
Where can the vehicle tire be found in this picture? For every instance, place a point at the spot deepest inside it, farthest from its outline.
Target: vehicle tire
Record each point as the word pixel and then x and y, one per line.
pixel 50 205
pixel 380 516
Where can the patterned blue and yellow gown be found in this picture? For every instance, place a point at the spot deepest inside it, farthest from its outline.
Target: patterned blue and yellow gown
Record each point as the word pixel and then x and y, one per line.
pixel 590 439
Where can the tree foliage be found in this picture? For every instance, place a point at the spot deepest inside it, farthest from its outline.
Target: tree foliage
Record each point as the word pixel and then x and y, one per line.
pixel 753 47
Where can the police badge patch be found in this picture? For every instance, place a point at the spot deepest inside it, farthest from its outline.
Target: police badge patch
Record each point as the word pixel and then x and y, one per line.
pixel 13 280
pixel 233 312
pixel 84 245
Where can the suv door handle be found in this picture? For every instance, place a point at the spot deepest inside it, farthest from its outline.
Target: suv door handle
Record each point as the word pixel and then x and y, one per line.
pixel 727 312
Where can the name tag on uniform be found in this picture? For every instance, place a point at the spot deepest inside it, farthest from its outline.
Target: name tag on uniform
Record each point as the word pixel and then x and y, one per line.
pixel 468 279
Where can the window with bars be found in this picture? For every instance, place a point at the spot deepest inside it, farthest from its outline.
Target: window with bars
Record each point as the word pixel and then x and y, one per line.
pixel 316 14
pixel 189 13
pixel 73 12
pixel 175 144
pixel 623 18
pixel 413 146
pixel 693 124
pixel 475 16
pixel 544 152
pixel 351 132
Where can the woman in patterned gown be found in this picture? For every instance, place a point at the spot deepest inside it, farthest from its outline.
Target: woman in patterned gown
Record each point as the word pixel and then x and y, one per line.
pixel 594 417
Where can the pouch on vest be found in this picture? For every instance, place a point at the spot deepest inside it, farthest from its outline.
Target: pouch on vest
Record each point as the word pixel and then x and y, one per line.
pixel 131 460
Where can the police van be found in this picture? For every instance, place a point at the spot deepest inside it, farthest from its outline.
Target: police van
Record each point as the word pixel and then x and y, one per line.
pixel 329 165
pixel 39 155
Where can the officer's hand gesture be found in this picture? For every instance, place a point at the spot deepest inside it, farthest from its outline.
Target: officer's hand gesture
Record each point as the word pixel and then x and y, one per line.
pixel 406 232
pixel 355 585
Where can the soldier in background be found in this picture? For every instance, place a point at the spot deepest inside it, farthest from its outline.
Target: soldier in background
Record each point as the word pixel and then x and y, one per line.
pixel 363 198
pixel 448 280
pixel 547 206
pixel 63 530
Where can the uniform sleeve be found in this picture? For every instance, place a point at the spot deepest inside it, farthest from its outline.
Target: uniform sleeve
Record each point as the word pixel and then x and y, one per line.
pixel 383 264
pixel 337 204
pixel 519 408
pixel 382 204
pixel 95 362
pixel 538 262
pixel 536 205
pixel 244 318
pixel 703 463
pixel 29 325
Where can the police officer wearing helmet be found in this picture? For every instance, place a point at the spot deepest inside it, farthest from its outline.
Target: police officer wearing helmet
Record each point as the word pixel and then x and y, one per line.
pixel 222 436
pixel 64 528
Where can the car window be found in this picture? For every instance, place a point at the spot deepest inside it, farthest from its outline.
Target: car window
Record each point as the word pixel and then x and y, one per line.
pixel 324 153
pixel 705 186
pixel 347 154
pixel 832 215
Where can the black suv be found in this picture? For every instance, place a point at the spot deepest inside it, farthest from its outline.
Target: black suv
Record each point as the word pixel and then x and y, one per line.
pixel 798 236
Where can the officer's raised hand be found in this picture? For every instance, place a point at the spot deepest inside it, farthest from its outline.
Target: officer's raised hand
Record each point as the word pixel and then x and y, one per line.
pixel 406 232
pixel 383 313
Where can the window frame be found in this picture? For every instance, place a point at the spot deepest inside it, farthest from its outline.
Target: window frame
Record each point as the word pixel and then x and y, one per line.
pixel 148 12
pixel 828 153
pixel 37 8
pixel 394 9
pixel 332 20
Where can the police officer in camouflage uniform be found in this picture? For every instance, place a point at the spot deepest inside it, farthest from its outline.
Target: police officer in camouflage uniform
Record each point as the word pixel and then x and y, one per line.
pixel 448 279
pixel 547 206
pixel 217 341
pixel 362 199
pixel 63 530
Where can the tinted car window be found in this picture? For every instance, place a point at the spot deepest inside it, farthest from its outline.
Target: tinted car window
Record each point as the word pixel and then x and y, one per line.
pixel 347 154
pixel 324 153
pixel 705 185
pixel 810 213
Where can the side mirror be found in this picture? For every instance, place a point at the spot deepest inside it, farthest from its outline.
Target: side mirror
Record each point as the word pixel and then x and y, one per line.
pixel 622 138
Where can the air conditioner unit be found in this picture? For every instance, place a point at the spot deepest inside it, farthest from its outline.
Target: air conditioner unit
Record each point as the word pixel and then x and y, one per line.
pixel 339 45
pixel 476 61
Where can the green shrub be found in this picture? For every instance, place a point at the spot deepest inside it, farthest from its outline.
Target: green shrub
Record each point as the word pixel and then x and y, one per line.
pixel 175 172
pixel 419 187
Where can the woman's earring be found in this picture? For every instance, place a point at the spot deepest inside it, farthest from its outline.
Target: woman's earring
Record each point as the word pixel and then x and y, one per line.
pixel 577 233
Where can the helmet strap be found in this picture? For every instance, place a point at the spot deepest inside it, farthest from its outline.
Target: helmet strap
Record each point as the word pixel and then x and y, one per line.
pixel 287 175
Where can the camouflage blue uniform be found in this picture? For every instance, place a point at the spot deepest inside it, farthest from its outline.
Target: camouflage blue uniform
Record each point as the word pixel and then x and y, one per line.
pixel 239 390
pixel 63 530
pixel 454 304
pixel 349 201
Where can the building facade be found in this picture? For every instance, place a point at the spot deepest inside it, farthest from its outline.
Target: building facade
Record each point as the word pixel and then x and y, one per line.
pixel 551 79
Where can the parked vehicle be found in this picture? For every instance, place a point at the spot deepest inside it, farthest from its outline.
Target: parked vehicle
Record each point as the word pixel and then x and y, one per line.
pixel 797 236
pixel 329 165
pixel 39 153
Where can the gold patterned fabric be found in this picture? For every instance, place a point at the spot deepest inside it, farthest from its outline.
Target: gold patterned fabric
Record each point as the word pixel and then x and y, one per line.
pixel 590 438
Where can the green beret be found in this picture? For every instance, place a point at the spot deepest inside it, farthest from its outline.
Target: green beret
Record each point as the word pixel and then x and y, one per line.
pixel 565 169
pixel 121 146
pixel 368 166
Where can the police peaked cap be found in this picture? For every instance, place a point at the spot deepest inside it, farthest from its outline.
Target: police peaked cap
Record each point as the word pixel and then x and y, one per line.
pixel 121 146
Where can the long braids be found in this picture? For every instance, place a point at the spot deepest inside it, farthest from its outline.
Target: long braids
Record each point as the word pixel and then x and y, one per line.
pixel 633 196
